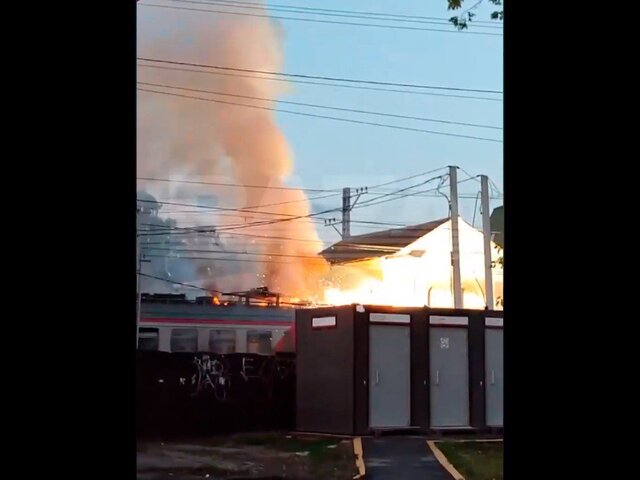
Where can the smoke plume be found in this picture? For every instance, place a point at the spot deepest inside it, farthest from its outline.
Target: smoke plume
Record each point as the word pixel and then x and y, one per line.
pixel 188 138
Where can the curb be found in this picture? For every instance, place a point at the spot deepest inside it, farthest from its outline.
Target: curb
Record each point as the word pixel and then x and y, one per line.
pixel 357 450
pixel 443 461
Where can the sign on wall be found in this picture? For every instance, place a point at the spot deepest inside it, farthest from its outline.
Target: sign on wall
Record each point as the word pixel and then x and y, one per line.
pixel 442 320
pixel 320 322
pixel 401 318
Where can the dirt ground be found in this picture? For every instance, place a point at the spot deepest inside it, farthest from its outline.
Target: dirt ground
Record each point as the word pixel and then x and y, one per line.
pixel 252 456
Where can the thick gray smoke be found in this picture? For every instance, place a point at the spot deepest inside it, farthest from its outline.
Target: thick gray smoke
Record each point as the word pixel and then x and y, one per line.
pixel 187 138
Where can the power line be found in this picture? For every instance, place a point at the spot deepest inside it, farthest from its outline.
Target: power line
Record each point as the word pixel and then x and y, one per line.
pixel 234 215
pixel 269 187
pixel 408 178
pixel 244 260
pixel 326 117
pixel 475 209
pixel 314 20
pixel 464 196
pixel 231 252
pixel 336 13
pixel 181 283
pixel 245 225
pixel 317 77
pixel 491 182
pixel 338 191
pixel 163 230
pixel 254 236
pixel 410 194
pixel 225 209
pixel 383 14
pixel 368 202
pixel 326 107
pixel 238 185
pixel 473 177
pixel 359 87
pixel 372 202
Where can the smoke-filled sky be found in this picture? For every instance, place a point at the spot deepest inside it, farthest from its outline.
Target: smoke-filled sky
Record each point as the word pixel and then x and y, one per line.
pixel 188 138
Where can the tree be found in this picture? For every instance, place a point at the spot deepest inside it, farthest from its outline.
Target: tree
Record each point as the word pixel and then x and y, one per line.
pixel 497 228
pixel 462 21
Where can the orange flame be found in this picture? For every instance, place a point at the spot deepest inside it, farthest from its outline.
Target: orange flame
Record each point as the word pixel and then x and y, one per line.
pixel 408 280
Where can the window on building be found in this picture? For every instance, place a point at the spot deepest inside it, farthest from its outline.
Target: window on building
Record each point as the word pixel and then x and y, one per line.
pixel 184 340
pixel 222 341
pixel 148 339
pixel 259 341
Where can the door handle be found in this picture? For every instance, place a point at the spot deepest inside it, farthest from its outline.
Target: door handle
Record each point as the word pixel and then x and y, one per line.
pixel 493 377
pixel 437 377
pixel 377 377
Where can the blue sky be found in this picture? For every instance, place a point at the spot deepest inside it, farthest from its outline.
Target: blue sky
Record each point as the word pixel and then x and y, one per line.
pixel 331 154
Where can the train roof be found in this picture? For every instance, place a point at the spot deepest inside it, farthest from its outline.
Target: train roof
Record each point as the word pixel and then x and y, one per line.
pixel 195 311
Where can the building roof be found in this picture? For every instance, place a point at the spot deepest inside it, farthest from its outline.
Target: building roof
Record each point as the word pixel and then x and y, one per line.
pixel 377 244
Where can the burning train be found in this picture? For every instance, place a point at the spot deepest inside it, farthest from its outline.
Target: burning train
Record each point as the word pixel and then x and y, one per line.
pixel 250 322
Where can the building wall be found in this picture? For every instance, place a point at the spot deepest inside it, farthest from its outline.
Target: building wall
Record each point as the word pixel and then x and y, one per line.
pixel 339 357
pixel 413 276
pixel 324 360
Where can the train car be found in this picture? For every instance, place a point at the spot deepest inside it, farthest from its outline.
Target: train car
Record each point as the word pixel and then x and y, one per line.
pixel 171 323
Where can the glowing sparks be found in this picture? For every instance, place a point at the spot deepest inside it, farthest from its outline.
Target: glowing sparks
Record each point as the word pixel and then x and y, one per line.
pixel 407 279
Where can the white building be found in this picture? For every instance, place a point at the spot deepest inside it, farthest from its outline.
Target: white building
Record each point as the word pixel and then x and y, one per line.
pixel 411 266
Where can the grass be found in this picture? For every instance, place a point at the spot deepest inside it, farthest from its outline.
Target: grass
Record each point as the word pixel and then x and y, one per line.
pixel 317 447
pixel 475 460
pixel 328 458
pixel 276 454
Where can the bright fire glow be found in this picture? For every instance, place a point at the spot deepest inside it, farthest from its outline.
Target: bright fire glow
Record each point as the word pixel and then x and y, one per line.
pixel 421 278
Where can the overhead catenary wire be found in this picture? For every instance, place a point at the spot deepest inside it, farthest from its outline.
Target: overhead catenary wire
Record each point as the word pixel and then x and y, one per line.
pixel 320 260
pixel 308 82
pixel 368 202
pixel 314 20
pixel 291 218
pixel 318 77
pixel 161 230
pixel 338 13
pixel 273 187
pixel 223 209
pixel 314 9
pixel 410 177
pixel 475 208
pixel 238 185
pixel 492 183
pixel 326 117
pixel 230 252
pixel 325 107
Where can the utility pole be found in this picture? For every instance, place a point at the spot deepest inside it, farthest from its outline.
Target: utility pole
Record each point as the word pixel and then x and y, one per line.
pixel 347 206
pixel 486 231
pixel 346 212
pixel 455 240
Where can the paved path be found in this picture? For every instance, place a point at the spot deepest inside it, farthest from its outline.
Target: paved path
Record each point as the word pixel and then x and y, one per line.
pixel 401 458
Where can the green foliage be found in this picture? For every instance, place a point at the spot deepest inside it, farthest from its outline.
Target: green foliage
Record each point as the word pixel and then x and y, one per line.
pixel 476 460
pixel 461 22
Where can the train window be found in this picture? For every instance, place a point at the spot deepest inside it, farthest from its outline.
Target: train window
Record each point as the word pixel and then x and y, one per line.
pixel 148 339
pixel 184 340
pixel 259 341
pixel 222 341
